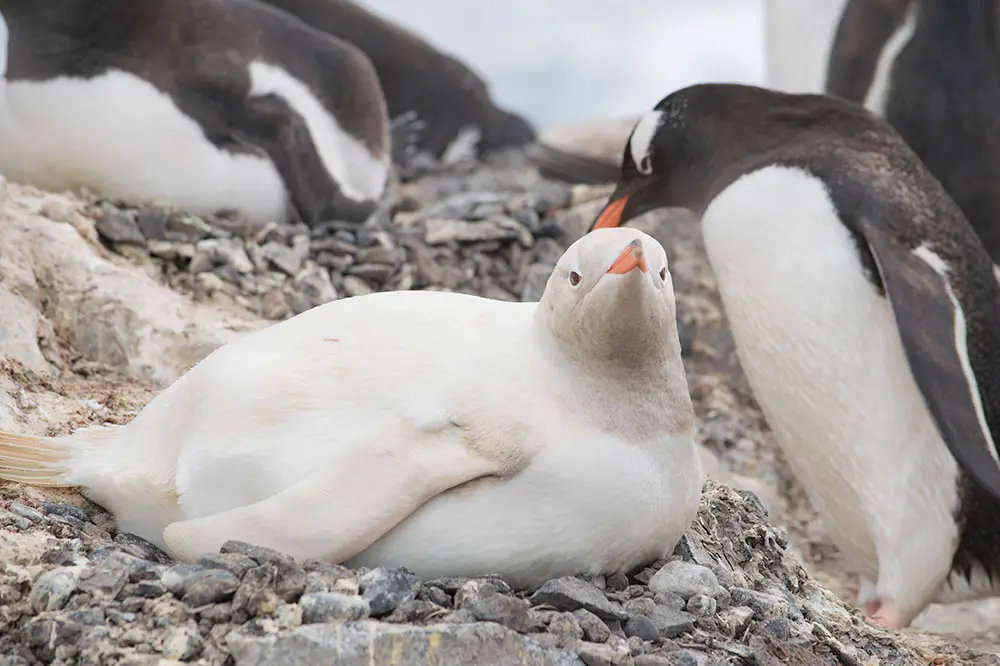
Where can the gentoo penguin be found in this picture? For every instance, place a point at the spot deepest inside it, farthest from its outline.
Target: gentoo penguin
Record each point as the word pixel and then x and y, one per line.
pixel 452 434
pixel 210 104
pixel 446 95
pixel 942 92
pixel 865 315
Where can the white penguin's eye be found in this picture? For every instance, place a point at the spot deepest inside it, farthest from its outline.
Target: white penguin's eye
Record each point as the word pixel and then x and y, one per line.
pixel 574 278
pixel 663 273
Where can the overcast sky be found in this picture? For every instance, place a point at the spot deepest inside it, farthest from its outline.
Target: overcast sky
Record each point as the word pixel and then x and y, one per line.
pixel 560 61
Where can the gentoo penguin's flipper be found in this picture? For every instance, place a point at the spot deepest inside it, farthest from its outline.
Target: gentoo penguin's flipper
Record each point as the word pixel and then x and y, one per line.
pixel 933 328
pixel 337 512
pixel 271 124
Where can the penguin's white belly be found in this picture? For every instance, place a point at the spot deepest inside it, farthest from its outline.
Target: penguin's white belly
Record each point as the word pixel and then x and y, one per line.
pixel 584 504
pixel 820 349
pixel 122 137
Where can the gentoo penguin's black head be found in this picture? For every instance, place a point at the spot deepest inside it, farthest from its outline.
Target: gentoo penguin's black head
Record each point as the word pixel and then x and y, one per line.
pixel 699 139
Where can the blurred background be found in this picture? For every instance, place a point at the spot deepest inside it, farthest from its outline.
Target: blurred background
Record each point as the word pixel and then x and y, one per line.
pixel 565 61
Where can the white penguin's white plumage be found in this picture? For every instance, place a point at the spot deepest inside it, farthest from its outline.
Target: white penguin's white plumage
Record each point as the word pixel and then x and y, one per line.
pixel 451 434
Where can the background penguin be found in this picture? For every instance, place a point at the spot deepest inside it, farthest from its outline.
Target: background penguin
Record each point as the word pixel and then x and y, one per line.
pixel 446 95
pixel 210 104
pixel 942 90
pixel 865 314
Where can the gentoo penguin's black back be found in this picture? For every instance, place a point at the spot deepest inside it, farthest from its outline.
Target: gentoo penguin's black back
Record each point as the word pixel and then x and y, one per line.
pixel 445 94
pixel 709 135
pixel 198 52
pixel 942 95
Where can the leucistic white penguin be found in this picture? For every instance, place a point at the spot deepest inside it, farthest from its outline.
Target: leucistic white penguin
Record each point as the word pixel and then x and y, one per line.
pixel 866 316
pixel 451 434
pixel 210 104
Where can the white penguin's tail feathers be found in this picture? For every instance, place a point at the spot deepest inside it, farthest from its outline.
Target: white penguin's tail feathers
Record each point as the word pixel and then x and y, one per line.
pixel 42 461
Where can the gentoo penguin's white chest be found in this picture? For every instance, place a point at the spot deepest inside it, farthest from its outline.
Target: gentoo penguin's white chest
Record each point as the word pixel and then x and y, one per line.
pixel 124 137
pixel 600 503
pixel 825 361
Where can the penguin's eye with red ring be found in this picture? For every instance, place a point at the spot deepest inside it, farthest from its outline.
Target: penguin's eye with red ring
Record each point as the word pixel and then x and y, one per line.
pixel 574 278
pixel 663 273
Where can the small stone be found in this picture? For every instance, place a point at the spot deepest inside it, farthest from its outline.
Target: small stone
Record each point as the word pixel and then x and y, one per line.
pixel 332 607
pixel 570 593
pixel 137 546
pixel 33 515
pixel 565 626
pixel 387 588
pixel 597 654
pixel 355 286
pixel 381 255
pixel 701 606
pixel 107 578
pixel 671 623
pixel 508 611
pixel 116 226
pixel 152 222
pixel 184 228
pixel 289 616
pixel 235 563
pixel 286 259
pixel 437 596
pixel 209 586
pixel 211 253
pixel 594 628
pixel 636 645
pixel 534 282
pixel 641 606
pixel 616 582
pixel 53 589
pixel 779 627
pixel 150 589
pixel 643 627
pixel 175 578
pixel 685 579
pixel 765 606
pixel 182 644
pixel 679 658
pixel 66 510
pixel 258 554
pixel 736 620
pixel 671 600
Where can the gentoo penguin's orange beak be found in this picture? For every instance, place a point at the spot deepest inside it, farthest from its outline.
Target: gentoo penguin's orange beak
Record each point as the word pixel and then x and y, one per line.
pixel 611 216
pixel 632 257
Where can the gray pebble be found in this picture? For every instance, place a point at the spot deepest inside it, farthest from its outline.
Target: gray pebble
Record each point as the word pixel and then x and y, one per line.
pixel 594 628
pixel 670 600
pixel 24 511
pixel 779 627
pixel 53 589
pixel 437 596
pixel 107 578
pixel 701 606
pixel 319 607
pixel 641 606
pixel 684 579
pixel 617 582
pixel 643 627
pixel 66 510
pixel 235 563
pixel 258 554
pixel 606 654
pixel 150 589
pixel 765 606
pixel 209 586
pixel 182 644
pixel 566 628
pixel 116 226
pixel 657 660
pixel 736 620
pixel 569 593
pixel 137 546
pixel 175 578
pixel 511 612
pixel 387 588
pixel 671 623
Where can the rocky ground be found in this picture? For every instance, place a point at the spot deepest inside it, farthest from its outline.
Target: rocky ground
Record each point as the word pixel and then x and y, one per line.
pixel 104 303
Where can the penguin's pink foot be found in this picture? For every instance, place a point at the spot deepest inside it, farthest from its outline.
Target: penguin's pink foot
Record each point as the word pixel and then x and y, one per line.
pixel 884 612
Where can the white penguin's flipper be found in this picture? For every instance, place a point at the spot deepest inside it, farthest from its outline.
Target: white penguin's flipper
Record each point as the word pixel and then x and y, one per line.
pixel 934 331
pixel 341 510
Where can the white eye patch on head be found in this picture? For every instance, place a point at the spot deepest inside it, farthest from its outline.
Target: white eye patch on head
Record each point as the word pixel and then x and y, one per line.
pixel 641 143
pixel 3 47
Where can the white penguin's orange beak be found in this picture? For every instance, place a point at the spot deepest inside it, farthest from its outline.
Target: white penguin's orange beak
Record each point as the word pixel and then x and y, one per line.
pixel 632 257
